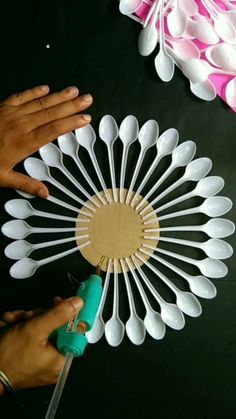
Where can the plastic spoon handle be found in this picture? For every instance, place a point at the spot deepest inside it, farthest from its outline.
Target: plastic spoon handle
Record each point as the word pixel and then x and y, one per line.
pixel 188 211
pixel 52 230
pixel 99 174
pixel 62 203
pixel 116 293
pixel 146 177
pixel 45 214
pixel 62 254
pixel 175 185
pixel 56 242
pixel 129 290
pixel 135 174
pixel 78 186
pixel 112 171
pixel 123 171
pixel 139 286
pixel 84 172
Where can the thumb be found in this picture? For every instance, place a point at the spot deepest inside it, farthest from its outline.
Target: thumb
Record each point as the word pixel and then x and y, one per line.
pixel 56 317
pixel 25 183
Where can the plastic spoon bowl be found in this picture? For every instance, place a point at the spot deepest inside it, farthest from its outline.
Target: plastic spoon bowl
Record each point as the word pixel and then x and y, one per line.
pixel 177 20
pixel 222 55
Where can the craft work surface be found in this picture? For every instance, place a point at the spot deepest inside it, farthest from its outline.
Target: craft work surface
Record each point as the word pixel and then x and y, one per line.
pixel 95 49
pixel 198 36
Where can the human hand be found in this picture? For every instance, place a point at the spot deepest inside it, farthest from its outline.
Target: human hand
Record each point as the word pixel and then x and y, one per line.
pixel 31 119
pixel 27 357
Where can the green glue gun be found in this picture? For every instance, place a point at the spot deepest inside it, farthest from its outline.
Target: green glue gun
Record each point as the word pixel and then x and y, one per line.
pixel 70 338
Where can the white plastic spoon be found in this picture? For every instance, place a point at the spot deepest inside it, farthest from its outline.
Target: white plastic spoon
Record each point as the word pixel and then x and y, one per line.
pixel 213 248
pixel 148 36
pixel 166 143
pixel 108 132
pixel 97 331
pixel 217 228
pixel 177 20
pixel 205 188
pixel 153 322
pixel 195 171
pixel 70 146
pixel 223 26
pixel 21 249
pixel 128 133
pixel 114 328
pixel 53 157
pixel 26 267
pixel 199 285
pixel 86 137
pixel 186 301
pixel 39 170
pixel 170 313
pixel 230 93
pixel 56 201
pixel 185 49
pixel 164 63
pixel 222 55
pixel 20 208
pixel 204 90
pixel 203 30
pixel 181 156
pixel 127 7
pixel 190 7
pixel 19 229
pixel 148 136
pixel 215 206
pixel 135 328
pixel 212 268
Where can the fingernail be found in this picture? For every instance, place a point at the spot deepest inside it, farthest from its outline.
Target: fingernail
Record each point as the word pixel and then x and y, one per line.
pixel 72 90
pixel 42 194
pixel 77 302
pixel 44 87
pixel 87 98
pixel 86 118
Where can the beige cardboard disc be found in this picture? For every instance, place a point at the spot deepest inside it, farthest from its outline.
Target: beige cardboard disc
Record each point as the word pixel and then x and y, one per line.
pixel 116 231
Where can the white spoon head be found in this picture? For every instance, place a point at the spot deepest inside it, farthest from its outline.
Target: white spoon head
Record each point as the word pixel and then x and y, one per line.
pixel 167 142
pixel 216 206
pixel 210 186
pixel 185 49
pixel 218 249
pixel 172 316
pixel 155 325
pixel 213 268
pixel 108 129
pixel 18 208
pixel 184 153
pixel 36 168
pixel 222 55
pixel 24 268
pixel 165 66
pixel 127 7
pixel 114 331
pixel 198 168
pixel 16 229
pixel 51 155
pixel 147 40
pixel 204 32
pixel 129 129
pixel 86 136
pixel 176 22
pixel 189 304
pixel 135 330
pixel 219 228
pixel 97 331
pixel 203 287
pixel 18 249
pixel 230 93
pixel 68 144
pixel 148 134
pixel 204 90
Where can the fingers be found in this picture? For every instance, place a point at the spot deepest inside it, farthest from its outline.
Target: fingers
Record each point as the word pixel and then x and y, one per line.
pixel 56 317
pixel 27 96
pixel 24 183
pixel 60 111
pixel 13 316
pixel 45 102
pixel 49 132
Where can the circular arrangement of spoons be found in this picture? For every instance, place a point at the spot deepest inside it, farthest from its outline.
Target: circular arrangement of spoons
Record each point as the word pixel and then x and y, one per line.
pixel 149 182
pixel 198 36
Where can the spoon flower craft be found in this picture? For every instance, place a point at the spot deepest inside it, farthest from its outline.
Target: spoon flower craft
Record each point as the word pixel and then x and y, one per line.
pixel 142 212
pixel 198 36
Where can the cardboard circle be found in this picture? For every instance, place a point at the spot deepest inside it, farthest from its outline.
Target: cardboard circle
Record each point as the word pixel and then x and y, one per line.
pixel 116 231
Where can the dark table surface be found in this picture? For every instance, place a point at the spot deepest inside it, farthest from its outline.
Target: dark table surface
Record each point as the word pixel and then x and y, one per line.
pixel 190 373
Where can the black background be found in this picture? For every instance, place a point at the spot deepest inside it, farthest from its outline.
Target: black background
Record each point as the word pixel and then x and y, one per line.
pixel 190 373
